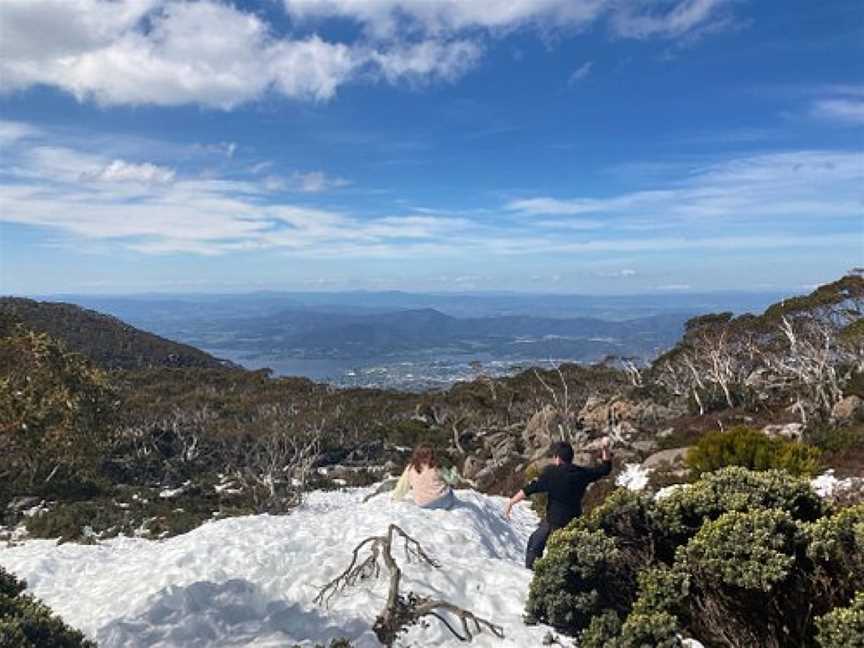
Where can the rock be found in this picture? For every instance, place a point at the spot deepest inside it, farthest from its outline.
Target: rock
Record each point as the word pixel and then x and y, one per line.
pixel 789 431
pixel 646 446
pixel 848 409
pixel 602 416
pixel 540 453
pixel 543 428
pixel 623 432
pixel 498 476
pixel 674 457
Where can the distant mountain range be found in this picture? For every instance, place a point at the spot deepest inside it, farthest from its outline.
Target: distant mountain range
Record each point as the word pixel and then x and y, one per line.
pixel 431 335
pixel 422 331
pixel 145 309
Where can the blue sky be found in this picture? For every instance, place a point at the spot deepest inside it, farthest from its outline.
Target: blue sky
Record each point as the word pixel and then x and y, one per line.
pixel 580 146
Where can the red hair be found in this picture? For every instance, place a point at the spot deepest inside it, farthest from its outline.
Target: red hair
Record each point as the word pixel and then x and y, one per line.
pixel 423 456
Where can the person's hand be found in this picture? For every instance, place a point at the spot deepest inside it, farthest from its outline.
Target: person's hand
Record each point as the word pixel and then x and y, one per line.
pixel 605 443
pixel 508 510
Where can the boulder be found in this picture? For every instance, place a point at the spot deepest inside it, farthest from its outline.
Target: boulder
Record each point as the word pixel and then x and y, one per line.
pixel 499 476
pixel 849 409
pixel 645 446
pixel 544 427
pixel 788 431
pixel 673 457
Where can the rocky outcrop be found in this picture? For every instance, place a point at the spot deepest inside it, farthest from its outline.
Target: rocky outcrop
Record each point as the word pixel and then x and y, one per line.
pixel 546 426
pixel 602 415
pixel 849 409
pixel 672 458
pixel 788 431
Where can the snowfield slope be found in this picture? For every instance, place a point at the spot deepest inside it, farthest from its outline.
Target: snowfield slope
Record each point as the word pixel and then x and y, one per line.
pixel 251 581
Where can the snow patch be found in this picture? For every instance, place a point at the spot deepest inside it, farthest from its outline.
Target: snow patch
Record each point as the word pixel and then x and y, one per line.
pixel 634 477
pixel 251 580
pixel 827 485
pixel 666 491
pixel 169 493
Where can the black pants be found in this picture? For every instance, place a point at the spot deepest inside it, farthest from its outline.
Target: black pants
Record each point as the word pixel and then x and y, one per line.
pixel 537 543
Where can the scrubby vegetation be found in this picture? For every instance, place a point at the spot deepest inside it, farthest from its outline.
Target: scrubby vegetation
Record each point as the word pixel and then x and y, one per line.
pixel 749 448
pixel 109 431
pixel 738 558
pixel 843 627
pixel 25 622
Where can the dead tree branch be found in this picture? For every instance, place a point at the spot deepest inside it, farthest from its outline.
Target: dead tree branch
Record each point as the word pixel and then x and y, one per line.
pixel 400 611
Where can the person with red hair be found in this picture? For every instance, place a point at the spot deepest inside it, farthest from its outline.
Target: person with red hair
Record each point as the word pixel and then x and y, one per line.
pixel 430 485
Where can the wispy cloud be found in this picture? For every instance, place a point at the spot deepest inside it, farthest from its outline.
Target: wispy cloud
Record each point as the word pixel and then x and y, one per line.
pixel 845 110
pixel 122 171
pixel 842 103
pixel 61 186
pixel 305 182
pixel 580 73
pixel 801 184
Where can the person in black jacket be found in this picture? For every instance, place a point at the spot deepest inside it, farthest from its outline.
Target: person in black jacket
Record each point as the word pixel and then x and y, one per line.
pixel 565 485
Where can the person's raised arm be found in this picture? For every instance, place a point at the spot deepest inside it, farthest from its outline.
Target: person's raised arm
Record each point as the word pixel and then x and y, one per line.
pixel 598 472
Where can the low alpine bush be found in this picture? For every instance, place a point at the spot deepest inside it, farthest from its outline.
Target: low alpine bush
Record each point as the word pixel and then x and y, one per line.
pixel 737 558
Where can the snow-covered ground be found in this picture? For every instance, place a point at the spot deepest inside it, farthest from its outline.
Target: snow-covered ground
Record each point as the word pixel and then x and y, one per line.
pixel 251 581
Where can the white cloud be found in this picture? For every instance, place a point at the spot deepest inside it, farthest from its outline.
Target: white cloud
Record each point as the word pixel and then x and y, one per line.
pixel 812 184
pixel 845 110
pixel 209 52
pixel 316 181
pixel 201 52
pixel 63 185
pixel 580 73
pixel 428 60
pixel 386 18
pixel 11 132
pixel 122 171
pixel 306 182
pixel 671 20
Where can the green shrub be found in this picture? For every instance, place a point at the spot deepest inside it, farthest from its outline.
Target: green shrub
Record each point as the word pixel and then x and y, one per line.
pixel 754 550
pixel 602 630
pixel 564 592
pixel 682 513
pixel 843 627
pixel 25 622
pixel 836 547
pixel 748 448
pixel 831 438
pixel 649 630
pixel 738 558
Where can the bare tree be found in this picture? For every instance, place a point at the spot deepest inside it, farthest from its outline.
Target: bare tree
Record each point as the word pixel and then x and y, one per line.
pixel 274 465
pixel 562 402
pixel 809 365
pixel 402 611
